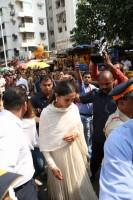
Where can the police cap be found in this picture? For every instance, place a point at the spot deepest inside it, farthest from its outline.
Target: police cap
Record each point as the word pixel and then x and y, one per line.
pixel 124 89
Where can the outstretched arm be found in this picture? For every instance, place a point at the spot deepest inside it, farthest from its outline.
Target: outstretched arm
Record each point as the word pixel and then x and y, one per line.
pixel 117 73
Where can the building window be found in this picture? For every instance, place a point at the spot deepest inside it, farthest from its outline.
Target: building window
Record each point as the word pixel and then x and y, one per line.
pixel 65 28
pixel 12 13
pixel 2 56
pixel 41 21
pixel 27 6
pixel 50 7
pixel 43 36
pixel 61 17
pixel 1 12
pixel 13 20
pixel 58 17
pixel 62 3
pixel 14 37
pixel 1 41
pixel 53 45
pixel 16 52
pixel 51 32
pixel 40 5
pixel 28 36
pixel 21 4
pixel 57 4
pixel 3 25
pixel 11 5
pixel 60 29
pixel 64 17
pixel 28 20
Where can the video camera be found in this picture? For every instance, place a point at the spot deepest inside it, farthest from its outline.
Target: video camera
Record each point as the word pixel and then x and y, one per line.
pixel 97 55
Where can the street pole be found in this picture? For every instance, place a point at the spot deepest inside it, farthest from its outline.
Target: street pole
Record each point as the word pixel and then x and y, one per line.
pixel 2 35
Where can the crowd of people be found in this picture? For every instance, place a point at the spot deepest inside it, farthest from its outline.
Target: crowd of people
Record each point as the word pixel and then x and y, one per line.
pixel 67 126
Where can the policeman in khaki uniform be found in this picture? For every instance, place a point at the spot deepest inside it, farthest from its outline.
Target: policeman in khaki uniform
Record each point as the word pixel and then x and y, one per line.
pixel 123 96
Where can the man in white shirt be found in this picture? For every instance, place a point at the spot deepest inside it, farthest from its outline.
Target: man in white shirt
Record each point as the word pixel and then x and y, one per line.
pixel 22 81
pixel 15 155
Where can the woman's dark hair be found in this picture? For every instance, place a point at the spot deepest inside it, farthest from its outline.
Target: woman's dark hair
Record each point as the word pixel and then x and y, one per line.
pixel 63 88
pixel 45 78
pixel 30 111
pixel 14 98
pixel 86 73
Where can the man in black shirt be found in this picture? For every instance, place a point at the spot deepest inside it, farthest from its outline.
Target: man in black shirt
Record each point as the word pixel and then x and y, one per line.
pixel 103 106
pixel 41 99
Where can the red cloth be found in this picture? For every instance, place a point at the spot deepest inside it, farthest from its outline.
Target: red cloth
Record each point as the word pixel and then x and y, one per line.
pixel 118 75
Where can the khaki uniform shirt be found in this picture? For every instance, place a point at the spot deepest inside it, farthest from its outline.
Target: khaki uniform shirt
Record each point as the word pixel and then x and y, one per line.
pixel 115 120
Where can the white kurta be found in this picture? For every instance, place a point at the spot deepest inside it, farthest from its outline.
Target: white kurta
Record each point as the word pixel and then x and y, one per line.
pixel 55 123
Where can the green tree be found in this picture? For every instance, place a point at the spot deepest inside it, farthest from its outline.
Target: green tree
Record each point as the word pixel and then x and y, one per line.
pixel 86 24
pixel 103 18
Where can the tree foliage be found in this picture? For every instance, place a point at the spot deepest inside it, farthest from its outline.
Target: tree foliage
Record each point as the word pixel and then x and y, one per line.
pixel 108 18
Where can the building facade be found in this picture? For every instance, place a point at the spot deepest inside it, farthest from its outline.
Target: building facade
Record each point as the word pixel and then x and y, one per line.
pixel 24 26
pixel 61 16
pixel 50 24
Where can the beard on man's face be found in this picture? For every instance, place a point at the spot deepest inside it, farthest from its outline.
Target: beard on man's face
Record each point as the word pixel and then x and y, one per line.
pixel 105 90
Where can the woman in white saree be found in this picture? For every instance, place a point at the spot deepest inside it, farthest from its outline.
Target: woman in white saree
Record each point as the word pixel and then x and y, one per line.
pixel 63 145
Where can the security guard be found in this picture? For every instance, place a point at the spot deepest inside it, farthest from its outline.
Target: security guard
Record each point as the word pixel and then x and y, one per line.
pixel 123 95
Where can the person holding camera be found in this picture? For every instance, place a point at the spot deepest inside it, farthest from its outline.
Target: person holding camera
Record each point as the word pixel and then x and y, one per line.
pixel 115 69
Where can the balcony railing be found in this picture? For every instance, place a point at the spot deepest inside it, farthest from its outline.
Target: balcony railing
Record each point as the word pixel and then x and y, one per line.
pixel 26 27
pixel 28 43
pixel 25 13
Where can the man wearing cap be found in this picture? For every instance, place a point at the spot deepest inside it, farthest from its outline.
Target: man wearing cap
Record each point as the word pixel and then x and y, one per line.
pixel 123 95
pixel 15 155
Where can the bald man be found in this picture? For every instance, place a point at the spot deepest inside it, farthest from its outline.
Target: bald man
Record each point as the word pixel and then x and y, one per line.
pixel 103 106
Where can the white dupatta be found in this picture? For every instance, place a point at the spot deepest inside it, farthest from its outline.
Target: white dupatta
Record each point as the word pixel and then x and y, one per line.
pixel 55 123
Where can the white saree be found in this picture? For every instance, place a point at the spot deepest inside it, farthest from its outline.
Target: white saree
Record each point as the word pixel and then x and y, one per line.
pixel 54 124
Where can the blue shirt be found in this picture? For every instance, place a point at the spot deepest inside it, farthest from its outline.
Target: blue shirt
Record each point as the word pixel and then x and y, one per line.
pixel 88 107
pixel 116 178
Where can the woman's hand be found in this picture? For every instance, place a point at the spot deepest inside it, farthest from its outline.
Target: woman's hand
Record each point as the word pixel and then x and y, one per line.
pixel 70 137
pixel 57 173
